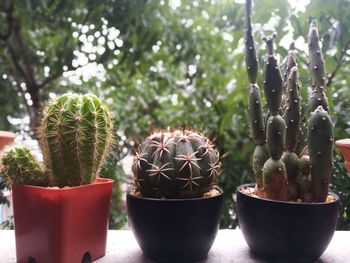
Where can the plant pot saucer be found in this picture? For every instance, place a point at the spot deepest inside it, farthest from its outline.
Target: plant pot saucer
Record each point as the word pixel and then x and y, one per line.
pixel 175 230
pixel 286 231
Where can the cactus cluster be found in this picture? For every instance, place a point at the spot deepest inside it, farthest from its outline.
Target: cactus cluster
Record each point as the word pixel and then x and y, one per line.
pixel 76 132
pixel 281 170
pixel 176 164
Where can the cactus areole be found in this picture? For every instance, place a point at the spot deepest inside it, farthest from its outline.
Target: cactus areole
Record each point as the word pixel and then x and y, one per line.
pixel 176 164
pixel 281 171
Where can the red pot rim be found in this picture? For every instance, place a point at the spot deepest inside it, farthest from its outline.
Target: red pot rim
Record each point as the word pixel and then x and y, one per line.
pixel 98 180
pixel 343 142
pixel 7 134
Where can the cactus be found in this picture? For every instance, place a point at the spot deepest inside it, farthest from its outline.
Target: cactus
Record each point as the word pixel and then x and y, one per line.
pixel 20 167
pixel 273 80
pixel 316 65
pixel 279 171
pixel 250 59
pixel 76 133
pixel 176 164
pixel 320 142
pixel 290 63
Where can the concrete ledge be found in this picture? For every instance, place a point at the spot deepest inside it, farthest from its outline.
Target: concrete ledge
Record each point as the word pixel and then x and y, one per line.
pixel 229 246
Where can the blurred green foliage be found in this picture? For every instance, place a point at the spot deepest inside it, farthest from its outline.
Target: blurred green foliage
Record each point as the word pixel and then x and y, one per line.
pixel 171 65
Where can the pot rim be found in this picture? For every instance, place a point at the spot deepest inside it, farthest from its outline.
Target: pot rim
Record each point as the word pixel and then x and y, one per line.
pixel 7 134
pixel 98 181
pixel 238 189
pixel 176 199
pixel 343 142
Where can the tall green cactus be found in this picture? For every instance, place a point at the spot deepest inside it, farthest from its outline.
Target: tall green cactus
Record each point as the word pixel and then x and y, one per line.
pixel 320 142
pixel 255 106
pixel 284 174
pixel 250 59
pixel 176 164
pixel 317 72
pixel 76 133
pixel 316 62
pixel 274 171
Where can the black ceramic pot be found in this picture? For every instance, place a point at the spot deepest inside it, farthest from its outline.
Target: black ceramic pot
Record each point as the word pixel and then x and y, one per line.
pixel 175 230
pixel 285 231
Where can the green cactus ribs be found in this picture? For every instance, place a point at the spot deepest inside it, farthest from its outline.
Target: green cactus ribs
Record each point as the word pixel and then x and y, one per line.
pixel 76 134
pixel 176 164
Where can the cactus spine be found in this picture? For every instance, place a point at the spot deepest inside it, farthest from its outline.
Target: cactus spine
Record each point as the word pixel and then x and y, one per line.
pixel 176 164
pixel 285 175
pixel 76 133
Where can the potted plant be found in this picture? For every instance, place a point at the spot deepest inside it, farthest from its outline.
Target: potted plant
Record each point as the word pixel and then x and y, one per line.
pixel 174 206
pixel 289 216
pixel 6 138
pixel 61 207
pixel 344 147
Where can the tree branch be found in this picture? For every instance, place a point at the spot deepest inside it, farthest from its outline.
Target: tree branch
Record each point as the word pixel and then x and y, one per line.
pixel 9 19
pixel 331 76
pixel 25 53
pixel 14 59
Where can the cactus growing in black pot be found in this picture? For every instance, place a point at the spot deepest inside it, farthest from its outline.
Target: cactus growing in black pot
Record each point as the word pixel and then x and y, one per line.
pixel 174 206
pixel 290 207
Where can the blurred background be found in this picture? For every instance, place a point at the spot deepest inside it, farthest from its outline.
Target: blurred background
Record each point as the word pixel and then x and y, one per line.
pixel 167 63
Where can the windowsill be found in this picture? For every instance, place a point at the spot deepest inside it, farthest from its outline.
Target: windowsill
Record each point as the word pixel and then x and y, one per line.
pixel 229 246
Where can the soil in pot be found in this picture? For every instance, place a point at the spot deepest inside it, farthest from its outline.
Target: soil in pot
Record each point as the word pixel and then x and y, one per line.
pixel 286 231
pixel 175 230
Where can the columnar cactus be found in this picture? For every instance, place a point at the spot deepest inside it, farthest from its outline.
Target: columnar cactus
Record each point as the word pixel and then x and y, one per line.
pixel 280 173
pixel 76 133
pixel 176 164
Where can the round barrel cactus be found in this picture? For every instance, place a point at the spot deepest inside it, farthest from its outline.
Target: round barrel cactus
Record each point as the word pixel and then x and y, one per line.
pixel 176 164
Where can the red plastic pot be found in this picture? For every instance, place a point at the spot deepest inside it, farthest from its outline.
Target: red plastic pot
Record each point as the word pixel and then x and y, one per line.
pixel 61 225
pixel 6 138
pixel 344 147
